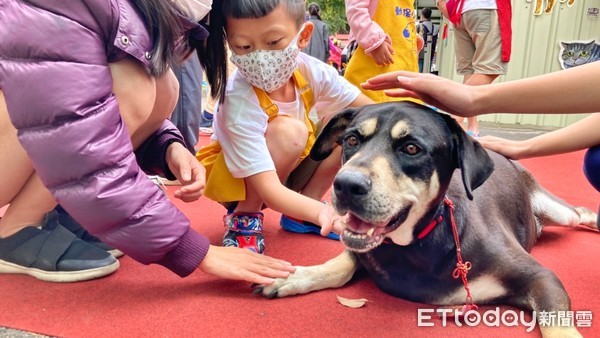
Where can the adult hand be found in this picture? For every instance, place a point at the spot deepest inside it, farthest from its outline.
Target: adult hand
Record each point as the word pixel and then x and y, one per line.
pixel 441 5
pixel 512 149
pixel 382 55
pixel 447 95
pixel 243 264
pixel 330 220
pixel 188 170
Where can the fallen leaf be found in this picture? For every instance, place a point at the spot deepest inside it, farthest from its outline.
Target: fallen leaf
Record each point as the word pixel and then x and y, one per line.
pixel 353 303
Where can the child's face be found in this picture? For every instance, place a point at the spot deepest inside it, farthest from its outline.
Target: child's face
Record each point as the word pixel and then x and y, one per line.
pixel 274 31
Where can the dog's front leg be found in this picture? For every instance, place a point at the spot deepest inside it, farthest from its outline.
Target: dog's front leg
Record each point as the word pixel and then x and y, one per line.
pixel 544 293
pixel 559 332
pixel 332 274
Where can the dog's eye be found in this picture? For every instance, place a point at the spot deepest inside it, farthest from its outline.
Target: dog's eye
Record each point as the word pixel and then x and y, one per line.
pixel 351 141
pixel 411 149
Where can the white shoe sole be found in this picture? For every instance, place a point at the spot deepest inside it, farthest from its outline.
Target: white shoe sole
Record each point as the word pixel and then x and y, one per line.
pixel 59 276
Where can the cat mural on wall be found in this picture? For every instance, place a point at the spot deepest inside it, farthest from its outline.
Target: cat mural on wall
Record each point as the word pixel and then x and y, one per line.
pixel 577 53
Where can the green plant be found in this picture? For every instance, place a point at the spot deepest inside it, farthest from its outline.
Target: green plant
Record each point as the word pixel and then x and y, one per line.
pixel 333 13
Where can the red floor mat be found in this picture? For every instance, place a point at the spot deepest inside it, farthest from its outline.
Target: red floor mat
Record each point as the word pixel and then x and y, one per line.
pixel 146 301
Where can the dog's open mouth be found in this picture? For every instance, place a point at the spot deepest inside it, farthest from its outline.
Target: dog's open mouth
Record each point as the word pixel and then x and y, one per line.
pixel 362 236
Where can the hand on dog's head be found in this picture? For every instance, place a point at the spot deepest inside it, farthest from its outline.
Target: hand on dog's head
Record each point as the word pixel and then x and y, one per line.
pixel 467 154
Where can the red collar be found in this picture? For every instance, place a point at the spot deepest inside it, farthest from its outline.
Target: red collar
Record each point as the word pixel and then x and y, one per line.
pixel 430 226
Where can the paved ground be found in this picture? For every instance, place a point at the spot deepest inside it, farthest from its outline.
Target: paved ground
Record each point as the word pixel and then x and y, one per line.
pixel 509 132
pixel 10 333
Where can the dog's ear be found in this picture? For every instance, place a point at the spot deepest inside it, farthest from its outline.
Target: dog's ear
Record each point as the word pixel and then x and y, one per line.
pixel 474 162
pixel 330 134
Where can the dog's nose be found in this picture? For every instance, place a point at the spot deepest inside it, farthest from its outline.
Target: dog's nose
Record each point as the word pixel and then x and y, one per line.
pixel 351 184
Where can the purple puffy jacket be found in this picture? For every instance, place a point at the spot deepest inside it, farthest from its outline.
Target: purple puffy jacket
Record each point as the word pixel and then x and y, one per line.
pixel 54 73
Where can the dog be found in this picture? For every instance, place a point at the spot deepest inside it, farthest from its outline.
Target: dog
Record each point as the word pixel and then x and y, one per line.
pixel 416 224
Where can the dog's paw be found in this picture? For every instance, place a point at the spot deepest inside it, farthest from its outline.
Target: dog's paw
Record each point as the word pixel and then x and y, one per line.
pixel 587 217
pixel 299 282
pixel 559 332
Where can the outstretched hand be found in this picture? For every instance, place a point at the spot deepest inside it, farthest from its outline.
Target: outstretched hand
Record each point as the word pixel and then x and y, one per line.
pixel 449 96
pixel 188 170
pixel 512 149
pixel 243 264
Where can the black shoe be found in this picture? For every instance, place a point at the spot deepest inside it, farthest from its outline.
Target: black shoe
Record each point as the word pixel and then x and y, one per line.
pixel 55 255
pixel 60 216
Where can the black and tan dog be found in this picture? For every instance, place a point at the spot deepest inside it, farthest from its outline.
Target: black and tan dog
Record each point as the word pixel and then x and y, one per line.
pixel 398 184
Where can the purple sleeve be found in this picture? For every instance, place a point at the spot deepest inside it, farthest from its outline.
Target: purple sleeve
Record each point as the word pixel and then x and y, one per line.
pixel 70 125
pixel 151 154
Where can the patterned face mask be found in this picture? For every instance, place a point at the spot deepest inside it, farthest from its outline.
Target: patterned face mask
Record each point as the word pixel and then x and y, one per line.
pixel 268 69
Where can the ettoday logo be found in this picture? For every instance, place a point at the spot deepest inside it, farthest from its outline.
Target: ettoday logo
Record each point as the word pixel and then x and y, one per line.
pixel 496 318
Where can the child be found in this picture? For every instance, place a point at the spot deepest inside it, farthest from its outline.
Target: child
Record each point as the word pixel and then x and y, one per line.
pixel 387 40
pixel 262 129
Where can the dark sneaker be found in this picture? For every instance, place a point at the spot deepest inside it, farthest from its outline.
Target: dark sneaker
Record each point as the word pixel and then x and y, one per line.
pixel 60 216
pixel 55 255
pixel 244 230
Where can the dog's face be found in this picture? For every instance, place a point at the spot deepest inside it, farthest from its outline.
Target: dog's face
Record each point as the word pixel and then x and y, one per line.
pixel 398 159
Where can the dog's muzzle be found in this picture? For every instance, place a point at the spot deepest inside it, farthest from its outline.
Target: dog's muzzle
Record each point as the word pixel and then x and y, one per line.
pixel 365 228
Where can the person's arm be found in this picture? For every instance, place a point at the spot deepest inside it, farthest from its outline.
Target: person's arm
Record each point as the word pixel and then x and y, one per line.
pixel 367 33
pixel 570 91
pixel 279 198
pixel 567 91
pixel 579 135
pixel 361 100
pixel 441 5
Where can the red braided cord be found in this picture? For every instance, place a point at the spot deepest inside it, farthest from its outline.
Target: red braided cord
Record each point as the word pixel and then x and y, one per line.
pixel 462 269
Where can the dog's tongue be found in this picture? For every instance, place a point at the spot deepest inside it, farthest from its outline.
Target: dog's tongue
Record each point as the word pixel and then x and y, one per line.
pixel 357 225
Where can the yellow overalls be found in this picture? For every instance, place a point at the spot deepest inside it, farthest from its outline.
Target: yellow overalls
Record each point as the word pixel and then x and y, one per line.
pixel 221 186
pixel 397 21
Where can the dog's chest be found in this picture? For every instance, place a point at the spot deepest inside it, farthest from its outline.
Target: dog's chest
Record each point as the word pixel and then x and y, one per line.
pixel 398 271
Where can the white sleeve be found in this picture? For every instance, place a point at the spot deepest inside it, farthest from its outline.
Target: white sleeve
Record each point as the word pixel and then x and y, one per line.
pixel 240 125
pixel 194 10
pixel 332 92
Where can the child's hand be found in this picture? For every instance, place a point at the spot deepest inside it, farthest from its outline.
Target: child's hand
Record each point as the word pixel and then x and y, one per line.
pixel 188 170
pixel 382 55
pixel 329 220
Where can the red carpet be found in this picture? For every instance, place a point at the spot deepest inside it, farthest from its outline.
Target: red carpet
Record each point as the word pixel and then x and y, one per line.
pixel 141 301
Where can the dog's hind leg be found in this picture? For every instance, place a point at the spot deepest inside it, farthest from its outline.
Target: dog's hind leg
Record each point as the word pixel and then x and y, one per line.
pixel 551 210
pixel 332 274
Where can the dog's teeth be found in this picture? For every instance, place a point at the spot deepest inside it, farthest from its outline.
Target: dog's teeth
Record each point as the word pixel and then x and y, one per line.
pixel 371 232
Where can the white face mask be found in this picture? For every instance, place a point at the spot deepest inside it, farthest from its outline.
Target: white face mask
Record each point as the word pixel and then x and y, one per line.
pixel 268 69
pixel 194 10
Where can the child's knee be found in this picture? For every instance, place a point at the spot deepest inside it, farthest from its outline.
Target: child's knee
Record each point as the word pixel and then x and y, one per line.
pixel 287 134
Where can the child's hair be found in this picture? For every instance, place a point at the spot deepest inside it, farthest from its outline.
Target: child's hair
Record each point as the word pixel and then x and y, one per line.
pixel 426 13
pixel 314 10
pixel 162 18
pixel 254 9
pixel 215 56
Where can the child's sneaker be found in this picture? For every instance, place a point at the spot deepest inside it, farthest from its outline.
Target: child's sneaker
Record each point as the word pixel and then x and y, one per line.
pixel 303 227
pixel 206 122
pixel 244 230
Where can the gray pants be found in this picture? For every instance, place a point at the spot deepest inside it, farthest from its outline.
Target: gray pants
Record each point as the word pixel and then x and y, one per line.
pixel 186 116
